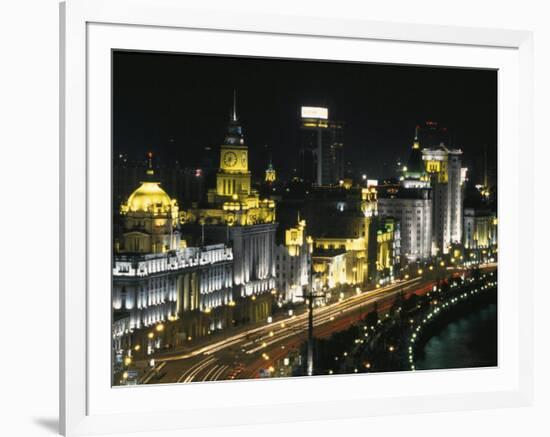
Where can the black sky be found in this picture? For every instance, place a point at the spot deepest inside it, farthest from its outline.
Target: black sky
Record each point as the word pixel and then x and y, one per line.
pixel 176 104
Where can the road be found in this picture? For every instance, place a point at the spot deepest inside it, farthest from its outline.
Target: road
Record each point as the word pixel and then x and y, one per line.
pixel 243 354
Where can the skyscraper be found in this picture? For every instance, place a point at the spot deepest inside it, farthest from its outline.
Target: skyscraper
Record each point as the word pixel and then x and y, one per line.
pixel 321 150
pixel 444 167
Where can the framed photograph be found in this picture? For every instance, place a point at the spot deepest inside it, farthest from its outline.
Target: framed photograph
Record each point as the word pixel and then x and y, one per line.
pixel 274 218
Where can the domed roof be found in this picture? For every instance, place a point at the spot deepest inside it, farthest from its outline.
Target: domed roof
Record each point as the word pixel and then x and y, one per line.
pixel 149 195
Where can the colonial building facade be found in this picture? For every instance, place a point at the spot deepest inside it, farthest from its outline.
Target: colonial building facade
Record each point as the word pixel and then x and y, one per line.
pixel 480 228
pixel 235 214
pixel 413 208
pixel 293 263
pixel 158 282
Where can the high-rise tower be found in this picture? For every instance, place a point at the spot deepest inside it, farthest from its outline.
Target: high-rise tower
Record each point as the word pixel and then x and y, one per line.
pixel 445 168
pixel 321 150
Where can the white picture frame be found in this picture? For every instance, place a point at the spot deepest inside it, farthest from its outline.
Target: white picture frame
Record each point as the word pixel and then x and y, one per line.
pixel 90 29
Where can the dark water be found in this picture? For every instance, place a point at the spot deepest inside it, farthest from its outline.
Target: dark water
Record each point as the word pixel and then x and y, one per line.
pixel 470 341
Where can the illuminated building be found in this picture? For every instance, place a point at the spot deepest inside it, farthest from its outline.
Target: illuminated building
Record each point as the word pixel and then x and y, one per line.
pixel 150 219
pixel 388 239
pixel 321 154
pixel 186 184
pixel 343 220
pixel 444 167
pixel 480 228
pixel 236 215
pixel 158 281
pixel 181 289
pixel 293 263
pixel 414 172
pixel 413 208
pixel 270 174
pixel 233 202
pixel 410 202
pixel 330 267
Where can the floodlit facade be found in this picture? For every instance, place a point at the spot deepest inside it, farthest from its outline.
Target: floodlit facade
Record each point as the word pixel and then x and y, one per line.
pixel 388 250
pixel 293 263
pixel 235 214
pixel 159 282
pixel 150 219
pixel 480 229
pixel 270 174
pixel 413 208
pixel 330 267
pixel 444 167
pixel 343 220
pixel 410 202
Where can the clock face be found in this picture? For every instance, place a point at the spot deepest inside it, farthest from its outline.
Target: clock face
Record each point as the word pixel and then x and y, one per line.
pixel 230 159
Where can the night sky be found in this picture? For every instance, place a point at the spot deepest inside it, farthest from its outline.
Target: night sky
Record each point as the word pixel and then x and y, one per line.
pixel 176 104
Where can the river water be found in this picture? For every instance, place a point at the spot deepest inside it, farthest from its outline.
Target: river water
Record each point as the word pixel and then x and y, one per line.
pixel 469 341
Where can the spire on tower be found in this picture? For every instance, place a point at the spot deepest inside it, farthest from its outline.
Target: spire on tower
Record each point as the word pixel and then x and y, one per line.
pixel 150 171
pixel 416 143
pixel 234 113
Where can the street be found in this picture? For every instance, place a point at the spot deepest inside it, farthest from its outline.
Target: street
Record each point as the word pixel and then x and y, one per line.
pixel 244 354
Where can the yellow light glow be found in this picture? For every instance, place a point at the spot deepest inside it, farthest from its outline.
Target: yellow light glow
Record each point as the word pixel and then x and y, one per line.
pixel 137 347
pixel 148 195
pixel 127 361
pixel 150 335
pixel 160 327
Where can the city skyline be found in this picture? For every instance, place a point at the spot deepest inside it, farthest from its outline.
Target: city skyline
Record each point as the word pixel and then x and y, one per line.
pixel 176 105
pixel 224 266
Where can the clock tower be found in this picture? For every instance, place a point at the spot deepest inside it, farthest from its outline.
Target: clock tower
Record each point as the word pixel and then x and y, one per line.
pixel 233 177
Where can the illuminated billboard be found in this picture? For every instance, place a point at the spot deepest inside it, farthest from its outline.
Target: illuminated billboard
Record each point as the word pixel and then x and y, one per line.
pixel 314 112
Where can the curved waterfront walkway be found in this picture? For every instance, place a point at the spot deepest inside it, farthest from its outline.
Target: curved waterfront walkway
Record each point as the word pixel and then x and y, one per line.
pixel 467 341
pixel 465 337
